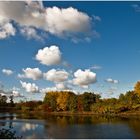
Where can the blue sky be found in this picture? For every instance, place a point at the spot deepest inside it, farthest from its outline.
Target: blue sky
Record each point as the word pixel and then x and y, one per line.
pixel 96 47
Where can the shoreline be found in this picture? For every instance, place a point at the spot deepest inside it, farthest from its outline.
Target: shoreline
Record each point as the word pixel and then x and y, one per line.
pixel 124 114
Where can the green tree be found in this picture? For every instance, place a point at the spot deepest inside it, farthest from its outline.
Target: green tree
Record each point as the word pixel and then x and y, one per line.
pixel 3 100
pixel 72 102
pixel 89 98
pixel 11 100
pixel 50 100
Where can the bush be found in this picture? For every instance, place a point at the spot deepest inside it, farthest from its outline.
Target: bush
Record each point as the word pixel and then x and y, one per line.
pixel 8 134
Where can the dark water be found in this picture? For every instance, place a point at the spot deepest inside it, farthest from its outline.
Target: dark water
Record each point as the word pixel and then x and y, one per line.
pixel 83 127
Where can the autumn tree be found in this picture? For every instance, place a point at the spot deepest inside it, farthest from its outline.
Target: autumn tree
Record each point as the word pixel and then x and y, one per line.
pixel 62 100
pixel 89 98
pixel 50 100
pixel 137 88
pixel 72 102
pixel 80 103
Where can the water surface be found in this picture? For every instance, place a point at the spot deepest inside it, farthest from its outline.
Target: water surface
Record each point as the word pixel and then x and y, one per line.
pixel 83 127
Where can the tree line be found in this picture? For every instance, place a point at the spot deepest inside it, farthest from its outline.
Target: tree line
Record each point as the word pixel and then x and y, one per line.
pixel 4 104
pixel 68 101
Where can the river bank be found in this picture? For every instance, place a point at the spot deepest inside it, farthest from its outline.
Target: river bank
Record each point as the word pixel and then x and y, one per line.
pixel 42 113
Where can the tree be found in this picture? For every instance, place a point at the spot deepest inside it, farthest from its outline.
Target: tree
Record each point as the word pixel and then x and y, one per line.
pixel 129 99
pixel 122 97
pixel 3 100
pixel 62 100
pixel 50 100
pixel 86 99
pixel 11 100
pixel 8 134
pixel 137 88
pixel 72 102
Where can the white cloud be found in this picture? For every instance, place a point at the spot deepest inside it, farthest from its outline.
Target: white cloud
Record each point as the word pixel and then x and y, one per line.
pixel 23 13
pixel 30 87
pixel 44 90
pixel 57 87
pixel 110 80
pixel 84 78
pixel 7 72
pixel 56 75
pixel 2 94
pixel 49 55
pixel 62 86
pixel 66 22
pixel 6 29
pixel 31 73
pixel 16 93
pixel 30 32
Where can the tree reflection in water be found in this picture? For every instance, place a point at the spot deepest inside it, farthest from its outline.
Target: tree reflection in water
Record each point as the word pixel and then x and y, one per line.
pixel 60 126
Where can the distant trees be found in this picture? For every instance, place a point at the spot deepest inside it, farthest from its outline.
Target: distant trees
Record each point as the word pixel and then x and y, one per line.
pixel 3 100
pixel 68 101
pixel 86 99
pixel 6 102
pixel 85 102
pixel 11 100
pixel 28 105
pixel 50 100
pixel 72 102
pixel 137 88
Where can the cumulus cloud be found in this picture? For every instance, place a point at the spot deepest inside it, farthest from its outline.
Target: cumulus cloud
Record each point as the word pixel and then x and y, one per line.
pixel 7 72
pixel 28 14
pixel 84 78
pixel 44 90
pixel 110 80
pixel 16 93
pixel 57 87
pixel 67 21
pixel 56 75
pixel 6 29
pixel 30 87
pixel 57 21
pixel 62 86
pixel 31 73
pixel 30 33
pixel 49 55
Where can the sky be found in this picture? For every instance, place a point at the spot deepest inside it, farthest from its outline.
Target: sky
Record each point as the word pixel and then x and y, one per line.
pixel 77 46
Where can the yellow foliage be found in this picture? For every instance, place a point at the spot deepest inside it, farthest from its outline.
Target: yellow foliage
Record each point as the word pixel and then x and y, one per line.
pixel 137 88
pixel 62 100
